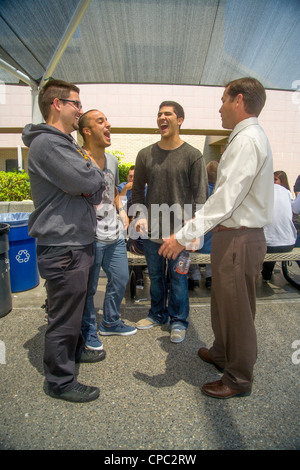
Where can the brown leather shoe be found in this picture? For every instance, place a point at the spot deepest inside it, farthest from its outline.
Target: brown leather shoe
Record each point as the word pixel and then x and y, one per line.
pixel 203 353
pixel 219 390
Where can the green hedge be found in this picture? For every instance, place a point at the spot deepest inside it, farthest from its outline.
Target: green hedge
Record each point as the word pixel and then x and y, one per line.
pixel 123 167
pixel 14 186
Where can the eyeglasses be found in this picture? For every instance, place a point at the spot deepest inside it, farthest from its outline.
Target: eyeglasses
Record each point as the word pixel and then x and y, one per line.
pixel 77 104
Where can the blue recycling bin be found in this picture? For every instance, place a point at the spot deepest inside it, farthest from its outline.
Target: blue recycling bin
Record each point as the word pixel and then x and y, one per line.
pixel 24 273
pixel 5 289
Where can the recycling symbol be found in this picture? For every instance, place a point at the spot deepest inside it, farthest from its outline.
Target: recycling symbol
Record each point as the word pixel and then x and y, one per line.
pixel 23 256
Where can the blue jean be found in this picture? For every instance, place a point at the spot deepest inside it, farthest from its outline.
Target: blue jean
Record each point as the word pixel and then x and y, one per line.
pixel 113 259
pixel 177 306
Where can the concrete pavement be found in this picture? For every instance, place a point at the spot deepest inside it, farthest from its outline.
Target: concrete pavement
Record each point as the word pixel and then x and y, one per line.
pixel 150 395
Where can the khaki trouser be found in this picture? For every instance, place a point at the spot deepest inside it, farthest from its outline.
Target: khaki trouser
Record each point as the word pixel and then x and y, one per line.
pixel 236 260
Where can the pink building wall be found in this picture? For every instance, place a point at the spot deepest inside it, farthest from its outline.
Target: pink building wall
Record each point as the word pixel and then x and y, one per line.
pixel 137 106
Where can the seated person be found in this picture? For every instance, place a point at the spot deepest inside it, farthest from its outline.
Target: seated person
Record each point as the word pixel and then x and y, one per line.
pixel 281 234
pixel 126 187
pixel 280 177
pixel 297 186
pixel 296 205
pixel 296 217
pixel 135 246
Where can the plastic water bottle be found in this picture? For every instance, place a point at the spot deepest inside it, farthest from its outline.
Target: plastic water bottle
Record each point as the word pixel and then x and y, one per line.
pixel 183 263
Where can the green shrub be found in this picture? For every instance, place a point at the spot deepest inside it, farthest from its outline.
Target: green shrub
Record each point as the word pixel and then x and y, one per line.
pixel 14 186
pixel 123 170
pixel 123 166
pixel 117 154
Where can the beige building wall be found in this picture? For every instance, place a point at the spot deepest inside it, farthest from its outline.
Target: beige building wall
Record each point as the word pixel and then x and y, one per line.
pixel 136 106
pixel 131 144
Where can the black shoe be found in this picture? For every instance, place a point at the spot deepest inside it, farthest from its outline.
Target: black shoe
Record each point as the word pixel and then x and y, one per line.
pixel 89 355
pixel 78 394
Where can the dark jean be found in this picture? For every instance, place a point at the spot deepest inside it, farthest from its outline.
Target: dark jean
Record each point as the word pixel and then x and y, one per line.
pixel 67 279
pixel 176 304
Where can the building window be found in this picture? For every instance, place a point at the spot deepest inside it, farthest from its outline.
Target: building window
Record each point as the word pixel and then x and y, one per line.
pixel 11 165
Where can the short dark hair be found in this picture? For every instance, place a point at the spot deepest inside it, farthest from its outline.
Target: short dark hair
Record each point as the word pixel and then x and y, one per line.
pixel 131 168
pixel 84 122
pixel 54 89
pixel 178 109
pixel 253 92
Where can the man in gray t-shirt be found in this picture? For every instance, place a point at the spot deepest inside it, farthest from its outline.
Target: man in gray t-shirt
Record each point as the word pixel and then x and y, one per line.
pixel 176 179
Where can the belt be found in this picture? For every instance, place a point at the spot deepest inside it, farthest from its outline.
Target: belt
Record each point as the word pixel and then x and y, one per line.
pixel 222 228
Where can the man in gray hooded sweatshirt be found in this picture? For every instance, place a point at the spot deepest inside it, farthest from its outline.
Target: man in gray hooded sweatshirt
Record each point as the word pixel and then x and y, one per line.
pixel 65 185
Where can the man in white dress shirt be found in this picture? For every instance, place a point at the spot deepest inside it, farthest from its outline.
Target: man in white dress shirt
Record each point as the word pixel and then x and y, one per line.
pixel 237 211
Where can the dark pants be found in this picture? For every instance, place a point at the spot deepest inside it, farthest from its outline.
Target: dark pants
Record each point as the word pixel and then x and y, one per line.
pixel 67 278
pixel 268 266
pixel 236 260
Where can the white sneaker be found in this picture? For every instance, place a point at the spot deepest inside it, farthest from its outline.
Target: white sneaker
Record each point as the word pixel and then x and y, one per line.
pixel 177 335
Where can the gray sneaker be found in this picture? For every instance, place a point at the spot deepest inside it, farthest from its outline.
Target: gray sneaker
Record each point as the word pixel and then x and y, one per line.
pixel 177 335
pixel 120 330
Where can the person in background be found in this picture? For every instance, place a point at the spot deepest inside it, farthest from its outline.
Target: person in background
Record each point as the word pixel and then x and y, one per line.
pixel 296 217
pixel 65 185
pixel 240 206
pixel 296 205
pixel 175 175
pixel 134 245
pixel 281 234
pixel 297 186
pixel 125 189
pixel 280 177
pixel 110 247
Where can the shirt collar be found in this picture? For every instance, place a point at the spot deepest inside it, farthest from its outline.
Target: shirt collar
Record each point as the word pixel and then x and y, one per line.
pixel 242 125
